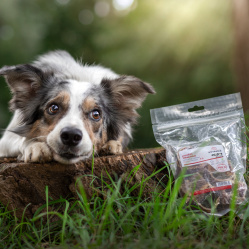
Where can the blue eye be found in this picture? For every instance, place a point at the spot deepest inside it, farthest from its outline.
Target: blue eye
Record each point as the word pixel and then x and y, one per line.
pixel 53 109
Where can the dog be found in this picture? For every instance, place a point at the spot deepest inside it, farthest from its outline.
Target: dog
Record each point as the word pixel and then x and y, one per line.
pixel 66 111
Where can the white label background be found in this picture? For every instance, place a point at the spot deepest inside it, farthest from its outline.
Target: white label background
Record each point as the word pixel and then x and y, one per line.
pixel 213 155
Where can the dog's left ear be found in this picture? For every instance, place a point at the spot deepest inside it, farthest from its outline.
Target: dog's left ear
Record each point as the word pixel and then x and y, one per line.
pixel 24 81
pixel 127 94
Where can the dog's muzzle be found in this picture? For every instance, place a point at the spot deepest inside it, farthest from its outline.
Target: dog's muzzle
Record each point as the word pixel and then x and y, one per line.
pixel 70 146
pixel 71 136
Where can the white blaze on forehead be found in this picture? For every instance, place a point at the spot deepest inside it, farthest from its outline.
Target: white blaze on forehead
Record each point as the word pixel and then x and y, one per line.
pixel 73 118
pixel 77 94
pixel 79 88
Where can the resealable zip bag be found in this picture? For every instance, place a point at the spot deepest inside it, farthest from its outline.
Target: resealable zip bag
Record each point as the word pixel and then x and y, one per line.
pixel 207 139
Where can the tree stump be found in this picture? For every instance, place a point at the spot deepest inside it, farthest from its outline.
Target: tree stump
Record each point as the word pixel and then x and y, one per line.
pixel 22 185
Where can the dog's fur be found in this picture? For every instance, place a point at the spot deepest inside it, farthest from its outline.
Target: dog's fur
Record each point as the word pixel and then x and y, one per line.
pixel 62 109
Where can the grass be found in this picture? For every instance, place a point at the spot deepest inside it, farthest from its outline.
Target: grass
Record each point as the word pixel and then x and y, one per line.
pixel 120 220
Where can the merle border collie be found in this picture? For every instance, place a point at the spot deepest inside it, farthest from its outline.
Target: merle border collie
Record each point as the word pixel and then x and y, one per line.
pixel 63 109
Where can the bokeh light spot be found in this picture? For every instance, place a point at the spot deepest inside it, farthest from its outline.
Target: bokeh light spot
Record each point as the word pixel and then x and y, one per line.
pixel 102 8
pixel 86 17
pixel 122 4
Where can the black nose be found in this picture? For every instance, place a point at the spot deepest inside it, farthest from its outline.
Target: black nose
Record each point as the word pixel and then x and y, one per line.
pixel 71 136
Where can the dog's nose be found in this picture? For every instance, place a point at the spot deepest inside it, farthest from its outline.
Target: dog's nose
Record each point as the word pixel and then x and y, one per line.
pixel 71 136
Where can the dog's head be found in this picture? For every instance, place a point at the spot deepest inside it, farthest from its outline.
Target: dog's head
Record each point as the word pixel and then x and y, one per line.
pixel 72 116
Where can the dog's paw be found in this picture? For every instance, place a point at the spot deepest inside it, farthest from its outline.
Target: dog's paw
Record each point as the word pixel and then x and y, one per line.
pixel 112 147
pixel 37 152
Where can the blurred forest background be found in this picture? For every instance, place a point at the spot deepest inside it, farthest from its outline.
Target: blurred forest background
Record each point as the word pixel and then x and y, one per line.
pixel 185 49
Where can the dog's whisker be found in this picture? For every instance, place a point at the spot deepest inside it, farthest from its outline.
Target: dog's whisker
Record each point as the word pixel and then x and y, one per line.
pixel 96 154
pixel 35 138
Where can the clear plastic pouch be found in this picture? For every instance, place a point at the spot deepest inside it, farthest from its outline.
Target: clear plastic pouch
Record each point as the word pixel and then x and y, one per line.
pixel 207 139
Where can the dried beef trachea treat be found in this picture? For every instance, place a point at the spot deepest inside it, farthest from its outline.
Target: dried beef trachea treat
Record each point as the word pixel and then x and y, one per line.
pixel 209 177
pixel 209 145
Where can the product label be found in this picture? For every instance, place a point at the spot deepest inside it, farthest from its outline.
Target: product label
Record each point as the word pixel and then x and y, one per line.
pixel 222 184
pixel 213 155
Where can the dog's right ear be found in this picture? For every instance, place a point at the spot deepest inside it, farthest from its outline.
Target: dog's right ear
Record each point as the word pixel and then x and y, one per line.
pixel 24 81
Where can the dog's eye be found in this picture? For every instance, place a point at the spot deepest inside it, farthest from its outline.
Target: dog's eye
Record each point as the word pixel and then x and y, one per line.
pixel 53 109
pixel 95 115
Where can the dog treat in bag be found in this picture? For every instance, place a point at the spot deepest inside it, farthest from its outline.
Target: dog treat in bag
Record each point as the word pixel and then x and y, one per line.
pixel 207 139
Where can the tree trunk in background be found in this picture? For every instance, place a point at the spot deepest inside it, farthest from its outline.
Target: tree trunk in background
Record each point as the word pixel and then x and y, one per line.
pixel 241 26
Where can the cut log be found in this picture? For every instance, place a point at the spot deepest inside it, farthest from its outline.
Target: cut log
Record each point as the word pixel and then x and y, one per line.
pixel 22 185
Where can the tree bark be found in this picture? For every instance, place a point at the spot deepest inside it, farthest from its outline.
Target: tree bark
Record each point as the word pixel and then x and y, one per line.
pixel 22 185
